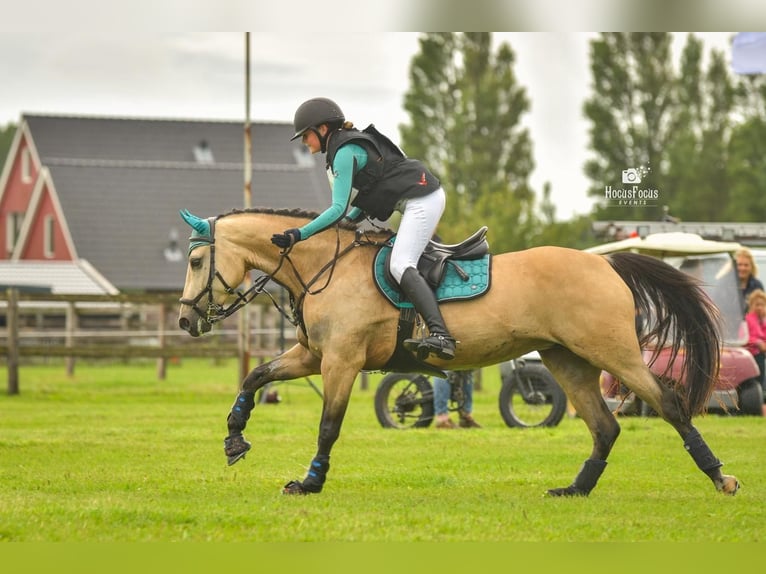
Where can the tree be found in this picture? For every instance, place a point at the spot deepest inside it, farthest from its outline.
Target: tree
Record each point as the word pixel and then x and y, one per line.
pixel 746 165
pixel 629 110
pixel 465 107
pixel 696 180
pixel 6 137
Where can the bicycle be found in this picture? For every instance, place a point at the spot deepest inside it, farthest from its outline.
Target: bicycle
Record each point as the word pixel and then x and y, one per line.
pixel 529 396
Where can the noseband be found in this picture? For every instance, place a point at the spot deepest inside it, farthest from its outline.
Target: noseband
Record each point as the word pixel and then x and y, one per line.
pixel 215 311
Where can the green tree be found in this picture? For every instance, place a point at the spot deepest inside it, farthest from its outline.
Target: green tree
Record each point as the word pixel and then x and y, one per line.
pixel 696 182
pixel 465 107
pixel 746 165
pixel 6 137
pixel 629 110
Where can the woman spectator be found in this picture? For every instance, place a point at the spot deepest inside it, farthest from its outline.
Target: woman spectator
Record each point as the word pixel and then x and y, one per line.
pixel 747 272
pixel 756 325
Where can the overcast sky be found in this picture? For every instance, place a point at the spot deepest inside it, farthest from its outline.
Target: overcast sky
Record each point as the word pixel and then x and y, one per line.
pixel 200 75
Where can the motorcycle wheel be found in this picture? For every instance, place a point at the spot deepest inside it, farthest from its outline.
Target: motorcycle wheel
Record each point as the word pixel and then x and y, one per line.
pixel 404 400
pixel 531 398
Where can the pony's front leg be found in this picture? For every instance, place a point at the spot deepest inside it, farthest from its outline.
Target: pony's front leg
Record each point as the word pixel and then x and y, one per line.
pixel 294 363
pixel 338 379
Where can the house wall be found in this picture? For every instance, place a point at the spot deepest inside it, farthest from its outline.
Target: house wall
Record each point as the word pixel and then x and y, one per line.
pixel 17 191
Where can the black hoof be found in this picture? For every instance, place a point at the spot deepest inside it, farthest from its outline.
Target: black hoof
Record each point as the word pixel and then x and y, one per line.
pixel 235 448
pixel 568 491
pixel 294 487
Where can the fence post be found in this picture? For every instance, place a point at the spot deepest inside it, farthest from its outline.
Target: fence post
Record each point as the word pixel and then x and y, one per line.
pixel 71 326
pixel 162 362
pixel 12 319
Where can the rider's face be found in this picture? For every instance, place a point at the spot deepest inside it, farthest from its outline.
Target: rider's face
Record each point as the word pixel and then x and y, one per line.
pixel 310 139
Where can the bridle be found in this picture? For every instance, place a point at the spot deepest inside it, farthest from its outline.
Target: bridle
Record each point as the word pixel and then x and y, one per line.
pixel 215 312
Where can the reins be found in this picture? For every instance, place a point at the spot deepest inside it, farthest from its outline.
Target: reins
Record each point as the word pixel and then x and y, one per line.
pixel 216 312
pixel 297 303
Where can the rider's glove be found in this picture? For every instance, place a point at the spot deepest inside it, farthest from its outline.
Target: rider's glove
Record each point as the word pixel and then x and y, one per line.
pixel 286 239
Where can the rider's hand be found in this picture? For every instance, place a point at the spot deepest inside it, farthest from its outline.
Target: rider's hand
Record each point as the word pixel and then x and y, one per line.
pixel 287 239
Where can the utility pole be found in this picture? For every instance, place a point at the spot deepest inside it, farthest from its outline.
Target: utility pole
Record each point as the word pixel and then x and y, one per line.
pixel 244 316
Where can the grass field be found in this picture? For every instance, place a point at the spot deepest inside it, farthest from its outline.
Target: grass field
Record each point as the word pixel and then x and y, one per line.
pixel 114 455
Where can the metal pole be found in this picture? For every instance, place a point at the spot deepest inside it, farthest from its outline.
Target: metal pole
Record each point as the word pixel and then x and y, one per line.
pixel 244 317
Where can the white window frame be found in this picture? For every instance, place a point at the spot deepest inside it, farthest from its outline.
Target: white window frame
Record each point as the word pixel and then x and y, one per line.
pixel 49 228
pixel 26 165
pixel 13 221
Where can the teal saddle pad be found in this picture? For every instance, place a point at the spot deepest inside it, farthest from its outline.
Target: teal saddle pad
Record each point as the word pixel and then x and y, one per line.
pixel 451 288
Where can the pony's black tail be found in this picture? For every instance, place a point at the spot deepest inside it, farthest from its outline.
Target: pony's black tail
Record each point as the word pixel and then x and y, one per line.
pixel 679 313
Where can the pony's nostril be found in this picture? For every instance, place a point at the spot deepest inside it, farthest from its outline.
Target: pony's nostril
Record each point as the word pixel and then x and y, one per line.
pixel 184 323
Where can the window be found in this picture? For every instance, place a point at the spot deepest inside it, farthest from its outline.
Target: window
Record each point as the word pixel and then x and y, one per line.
pixel 26 165
pixel 203 154
pixel 49 246
pixel 12 229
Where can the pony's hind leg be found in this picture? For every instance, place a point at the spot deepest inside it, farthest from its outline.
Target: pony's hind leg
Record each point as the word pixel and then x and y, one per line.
pixel 580 381
pixel 671 409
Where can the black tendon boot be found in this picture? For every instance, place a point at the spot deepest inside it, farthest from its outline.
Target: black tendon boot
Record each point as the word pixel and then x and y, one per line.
pixel 439 342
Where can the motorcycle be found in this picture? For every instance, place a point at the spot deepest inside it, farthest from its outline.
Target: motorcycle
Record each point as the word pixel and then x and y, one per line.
pixel 529 396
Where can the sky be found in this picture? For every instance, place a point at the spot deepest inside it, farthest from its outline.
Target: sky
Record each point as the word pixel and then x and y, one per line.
pixel 201 75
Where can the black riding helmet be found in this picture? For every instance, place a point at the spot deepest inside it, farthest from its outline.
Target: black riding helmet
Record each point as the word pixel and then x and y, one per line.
pixel 315 112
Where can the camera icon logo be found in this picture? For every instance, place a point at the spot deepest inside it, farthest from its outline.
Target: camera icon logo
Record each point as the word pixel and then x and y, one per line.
pixel 631 175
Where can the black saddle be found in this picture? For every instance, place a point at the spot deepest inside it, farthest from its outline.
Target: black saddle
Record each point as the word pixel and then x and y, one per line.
pixel 433 263
pixel 436 256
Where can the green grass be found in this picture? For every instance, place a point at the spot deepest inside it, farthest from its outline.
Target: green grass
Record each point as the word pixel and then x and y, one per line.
pixel 114 455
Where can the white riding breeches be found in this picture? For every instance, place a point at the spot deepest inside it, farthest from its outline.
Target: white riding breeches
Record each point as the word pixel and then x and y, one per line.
pixel 420 217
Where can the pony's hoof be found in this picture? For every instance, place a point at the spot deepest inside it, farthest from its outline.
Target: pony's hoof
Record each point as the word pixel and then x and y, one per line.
pixel 568 491
pixel 294 487
pixel 235 448
pixel 728 485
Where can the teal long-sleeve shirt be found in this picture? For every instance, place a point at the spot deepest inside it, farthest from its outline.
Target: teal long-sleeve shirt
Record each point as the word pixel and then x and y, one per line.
pixel 349 159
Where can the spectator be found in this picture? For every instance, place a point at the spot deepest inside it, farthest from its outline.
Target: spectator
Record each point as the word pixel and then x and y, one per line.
pixel 747 272
pixel 756 326
pixel 441 399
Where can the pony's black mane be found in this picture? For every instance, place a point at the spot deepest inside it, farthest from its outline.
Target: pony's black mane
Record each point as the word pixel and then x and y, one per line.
pixel 306 214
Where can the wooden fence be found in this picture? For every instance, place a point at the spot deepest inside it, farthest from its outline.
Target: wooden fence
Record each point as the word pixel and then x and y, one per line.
pixel 126 326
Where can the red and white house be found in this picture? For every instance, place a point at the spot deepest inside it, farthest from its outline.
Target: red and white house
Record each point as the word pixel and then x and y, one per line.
pixel 99 196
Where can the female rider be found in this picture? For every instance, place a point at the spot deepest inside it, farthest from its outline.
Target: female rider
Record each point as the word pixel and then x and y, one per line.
pixel 371 176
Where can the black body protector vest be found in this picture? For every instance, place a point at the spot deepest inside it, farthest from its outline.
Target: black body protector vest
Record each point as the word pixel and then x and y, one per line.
pixel 389 175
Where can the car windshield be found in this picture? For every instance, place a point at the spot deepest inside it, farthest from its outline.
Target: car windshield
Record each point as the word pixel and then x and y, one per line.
pixel 718 275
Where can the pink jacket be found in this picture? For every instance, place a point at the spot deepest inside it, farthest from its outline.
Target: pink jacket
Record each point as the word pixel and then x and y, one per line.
pixel 757 329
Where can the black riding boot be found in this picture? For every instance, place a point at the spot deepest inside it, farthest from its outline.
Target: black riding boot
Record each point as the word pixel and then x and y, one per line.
pixel 439 342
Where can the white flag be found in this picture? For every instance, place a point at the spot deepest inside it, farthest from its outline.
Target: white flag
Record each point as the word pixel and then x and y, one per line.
pixel 748 53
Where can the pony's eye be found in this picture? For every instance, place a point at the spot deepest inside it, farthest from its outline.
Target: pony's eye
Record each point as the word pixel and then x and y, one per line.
pixel 195 262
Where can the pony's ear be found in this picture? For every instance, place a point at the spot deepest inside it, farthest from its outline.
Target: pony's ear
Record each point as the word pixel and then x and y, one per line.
pixel 201 226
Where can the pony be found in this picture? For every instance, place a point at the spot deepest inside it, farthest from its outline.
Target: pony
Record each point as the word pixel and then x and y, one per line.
pixel 345 325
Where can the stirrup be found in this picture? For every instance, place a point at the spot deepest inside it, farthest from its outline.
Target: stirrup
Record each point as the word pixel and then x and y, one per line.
pixel 443 346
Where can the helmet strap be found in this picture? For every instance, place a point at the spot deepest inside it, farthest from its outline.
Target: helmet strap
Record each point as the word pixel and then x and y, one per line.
pixel 323 138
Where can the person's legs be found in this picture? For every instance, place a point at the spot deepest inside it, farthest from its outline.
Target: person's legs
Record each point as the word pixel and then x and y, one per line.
pixel 466 414
pixel 441 400
pixel 420 217
pixel 419 220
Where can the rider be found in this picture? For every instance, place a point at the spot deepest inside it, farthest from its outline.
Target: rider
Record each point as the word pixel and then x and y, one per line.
pixel 370 175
